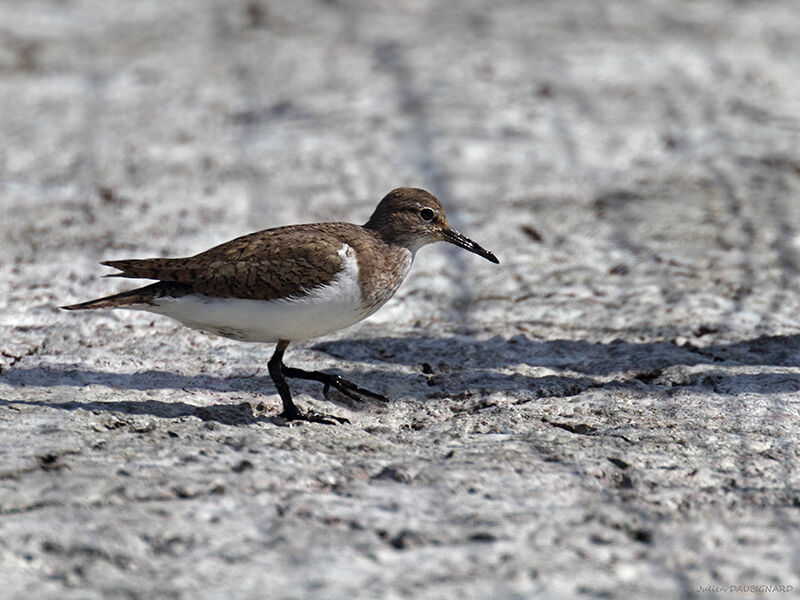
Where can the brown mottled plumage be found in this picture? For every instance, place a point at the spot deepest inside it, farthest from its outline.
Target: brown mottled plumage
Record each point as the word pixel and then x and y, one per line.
pixel 269 264
pixel 291 283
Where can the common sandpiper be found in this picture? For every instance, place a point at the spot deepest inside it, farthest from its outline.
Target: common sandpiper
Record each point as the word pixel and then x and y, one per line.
pixel 290 284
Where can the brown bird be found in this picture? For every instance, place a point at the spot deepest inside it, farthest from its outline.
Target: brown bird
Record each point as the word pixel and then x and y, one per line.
pixel 290 284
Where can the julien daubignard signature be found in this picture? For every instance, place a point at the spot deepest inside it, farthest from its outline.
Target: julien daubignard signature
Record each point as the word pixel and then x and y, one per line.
pixel 744 589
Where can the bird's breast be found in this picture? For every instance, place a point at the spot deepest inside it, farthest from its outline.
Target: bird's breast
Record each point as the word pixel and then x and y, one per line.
pixel 380 275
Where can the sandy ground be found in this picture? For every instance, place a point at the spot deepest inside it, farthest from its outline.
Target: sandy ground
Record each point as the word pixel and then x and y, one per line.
pixel 612 412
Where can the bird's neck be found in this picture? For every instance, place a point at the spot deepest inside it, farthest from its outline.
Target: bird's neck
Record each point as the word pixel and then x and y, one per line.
pixel 397 237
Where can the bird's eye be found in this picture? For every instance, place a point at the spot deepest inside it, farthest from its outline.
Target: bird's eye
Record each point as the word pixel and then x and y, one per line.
pixel 426 214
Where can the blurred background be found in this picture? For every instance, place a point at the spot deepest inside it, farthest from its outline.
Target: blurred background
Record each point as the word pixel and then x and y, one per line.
pixel 655 139
pixel 635 165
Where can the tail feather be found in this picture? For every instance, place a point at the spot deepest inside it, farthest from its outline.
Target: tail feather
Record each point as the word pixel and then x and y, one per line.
pixel 143 295
pixel 142 268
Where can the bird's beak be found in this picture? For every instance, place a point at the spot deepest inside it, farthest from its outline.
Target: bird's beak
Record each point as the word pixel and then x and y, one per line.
pixel 448 235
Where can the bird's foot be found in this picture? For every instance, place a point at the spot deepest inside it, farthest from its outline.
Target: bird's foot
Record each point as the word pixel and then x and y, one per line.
pixel 312 416
pixel 329 380
pixel 350 389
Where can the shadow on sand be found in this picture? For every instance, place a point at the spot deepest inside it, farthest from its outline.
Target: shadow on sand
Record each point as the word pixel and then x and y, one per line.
pixel 451 366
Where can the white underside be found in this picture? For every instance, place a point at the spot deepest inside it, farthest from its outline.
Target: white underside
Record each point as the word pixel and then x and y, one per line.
pixel 318 312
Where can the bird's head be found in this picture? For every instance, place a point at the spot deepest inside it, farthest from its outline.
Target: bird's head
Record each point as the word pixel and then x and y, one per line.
pixel 412 217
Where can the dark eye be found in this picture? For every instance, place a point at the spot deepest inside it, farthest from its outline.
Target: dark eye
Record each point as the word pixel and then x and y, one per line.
pixel 426 214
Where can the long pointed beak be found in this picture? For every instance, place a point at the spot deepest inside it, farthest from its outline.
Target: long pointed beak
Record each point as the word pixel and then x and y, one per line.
pixel 462 241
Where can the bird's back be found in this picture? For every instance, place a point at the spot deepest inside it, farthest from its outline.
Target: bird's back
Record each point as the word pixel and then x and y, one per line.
pixel 265 265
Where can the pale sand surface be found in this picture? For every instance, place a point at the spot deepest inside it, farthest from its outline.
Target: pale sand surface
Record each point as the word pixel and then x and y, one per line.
pixel 611 412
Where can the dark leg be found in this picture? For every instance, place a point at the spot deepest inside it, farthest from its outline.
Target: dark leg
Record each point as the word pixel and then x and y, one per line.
pixel 277 371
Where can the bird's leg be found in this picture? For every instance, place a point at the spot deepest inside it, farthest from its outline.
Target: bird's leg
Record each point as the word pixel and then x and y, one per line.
pixel 348 388
pixel 277 370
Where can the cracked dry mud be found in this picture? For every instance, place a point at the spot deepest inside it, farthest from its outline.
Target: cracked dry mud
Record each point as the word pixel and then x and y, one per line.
pixel 612 412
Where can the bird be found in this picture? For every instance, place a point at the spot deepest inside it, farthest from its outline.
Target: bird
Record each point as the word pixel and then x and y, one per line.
pixel 293 283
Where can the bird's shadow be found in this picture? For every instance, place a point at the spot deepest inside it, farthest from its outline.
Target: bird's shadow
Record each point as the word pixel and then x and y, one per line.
pixel 225 414
pixel 448 367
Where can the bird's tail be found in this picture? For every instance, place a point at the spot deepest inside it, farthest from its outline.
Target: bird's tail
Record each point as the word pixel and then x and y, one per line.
pixel 143 295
